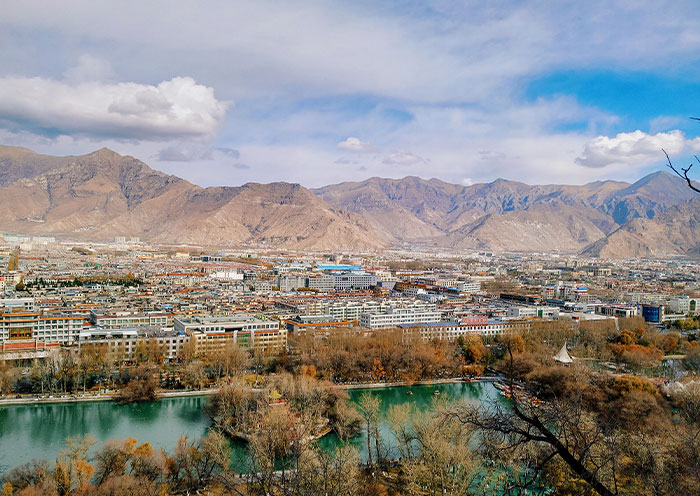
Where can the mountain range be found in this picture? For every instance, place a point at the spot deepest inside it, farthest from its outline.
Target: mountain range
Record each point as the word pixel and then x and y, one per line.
pixel 103 194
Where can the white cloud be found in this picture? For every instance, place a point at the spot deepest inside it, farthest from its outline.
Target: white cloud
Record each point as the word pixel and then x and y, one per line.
pixel 467 181
pixel 492 156
pixel 635 148
pixel 322 69
pixel 178 108
pixel 403 158
pixel 356 145
pixel 191 152
pixel 445 52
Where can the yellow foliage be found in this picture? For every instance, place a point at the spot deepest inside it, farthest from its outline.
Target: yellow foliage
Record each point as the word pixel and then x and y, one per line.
pixel 144 450
pixel 130 444
pixel 85 471
pixel 628 383
pixel 7 489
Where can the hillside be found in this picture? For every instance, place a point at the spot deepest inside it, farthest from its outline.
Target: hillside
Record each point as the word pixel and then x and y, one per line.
pixel 674 232
pixel 505 215
pixel 103 194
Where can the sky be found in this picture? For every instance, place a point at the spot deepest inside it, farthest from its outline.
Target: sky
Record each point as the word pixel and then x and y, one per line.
pixel 322 92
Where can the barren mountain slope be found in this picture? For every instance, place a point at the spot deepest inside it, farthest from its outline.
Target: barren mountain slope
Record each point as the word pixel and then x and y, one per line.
pixel 675 231
pixel 541 228
pixel 103 194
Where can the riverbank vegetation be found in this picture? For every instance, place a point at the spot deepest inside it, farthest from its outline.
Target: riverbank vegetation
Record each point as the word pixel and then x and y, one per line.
pixel 596 433
pixel 346 356
pixel 349 356
pixel 122 468
pixel 583 429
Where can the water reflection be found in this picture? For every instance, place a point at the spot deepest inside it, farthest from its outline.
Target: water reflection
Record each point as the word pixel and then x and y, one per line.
pixel 423 398
pixel 40 431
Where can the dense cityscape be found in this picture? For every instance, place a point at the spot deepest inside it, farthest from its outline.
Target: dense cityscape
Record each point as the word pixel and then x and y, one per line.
pixel 129 322
pixel 335 248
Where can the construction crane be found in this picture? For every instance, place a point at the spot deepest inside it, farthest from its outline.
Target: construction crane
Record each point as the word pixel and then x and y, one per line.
pixel 14 260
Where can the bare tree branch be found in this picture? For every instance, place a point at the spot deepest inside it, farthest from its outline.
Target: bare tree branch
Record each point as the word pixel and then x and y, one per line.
pixel 684 174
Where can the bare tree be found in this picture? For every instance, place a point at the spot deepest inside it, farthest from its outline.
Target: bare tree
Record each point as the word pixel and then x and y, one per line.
pixel 683 172
pixel 368 407
pixel 533 437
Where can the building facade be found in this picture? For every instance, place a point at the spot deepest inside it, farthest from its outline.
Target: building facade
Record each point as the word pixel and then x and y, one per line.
pixel 450 331
pixel 400 315
pixel 212 334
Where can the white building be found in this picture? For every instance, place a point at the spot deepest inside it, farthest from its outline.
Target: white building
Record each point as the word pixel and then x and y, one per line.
pixel 470 286
pixel 125 341
pixel 243 322
pixel 683 304
pixel 245 330
pixel 620 311
pixel 20 324
pixel 227 275
pixel 398 315
pixel 324 284
pixel 523 312
pixel 450 331
pixel 290 282
pixel 354 280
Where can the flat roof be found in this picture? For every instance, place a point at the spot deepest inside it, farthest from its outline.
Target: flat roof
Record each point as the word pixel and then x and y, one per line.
pixel 453 323
pixel 339 267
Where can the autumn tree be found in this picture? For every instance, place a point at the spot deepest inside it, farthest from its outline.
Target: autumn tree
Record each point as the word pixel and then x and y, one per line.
pixel 72 471
pixel 195 464
pixel 442 462
pixel 142 385
pixel 368 407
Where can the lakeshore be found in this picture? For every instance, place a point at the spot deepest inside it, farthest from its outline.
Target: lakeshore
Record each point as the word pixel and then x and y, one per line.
pixel 33 399
pixel 39 430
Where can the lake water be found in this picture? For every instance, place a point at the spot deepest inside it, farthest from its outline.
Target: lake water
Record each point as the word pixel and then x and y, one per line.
pixel 40 431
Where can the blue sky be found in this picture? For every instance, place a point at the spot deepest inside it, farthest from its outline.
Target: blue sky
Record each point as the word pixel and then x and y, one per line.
pixel 320 92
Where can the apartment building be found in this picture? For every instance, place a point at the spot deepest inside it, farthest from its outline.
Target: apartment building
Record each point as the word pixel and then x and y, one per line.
pixel 213 333
pixel 290 282
pixel 302 323
pixel 624 311
pixel 50 328
pixel 354 280
pixel 351 310
pixel 19 304
pixel 324 284
pixel 124 342
pixel 683 304
pixel 396 316
pixel 540 311
pixel 450 331
pixel 469 286
pixel 124 319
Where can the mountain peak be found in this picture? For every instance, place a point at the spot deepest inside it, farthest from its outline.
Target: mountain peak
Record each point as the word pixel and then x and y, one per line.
pixel 660 182
pixel 655 176
pixel 104 152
